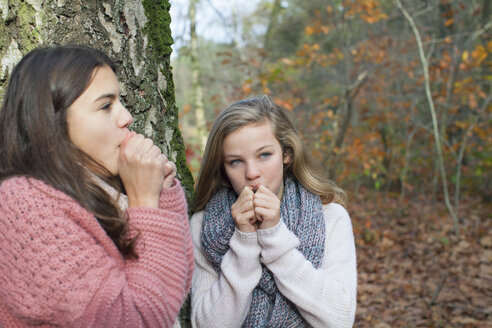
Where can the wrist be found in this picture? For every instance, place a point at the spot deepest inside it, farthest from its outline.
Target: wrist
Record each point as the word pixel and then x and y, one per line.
pixel 268 224
pixel 246 228
pixel 143 202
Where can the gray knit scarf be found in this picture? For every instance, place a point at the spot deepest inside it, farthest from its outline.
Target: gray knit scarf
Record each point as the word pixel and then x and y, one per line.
pixel 302 213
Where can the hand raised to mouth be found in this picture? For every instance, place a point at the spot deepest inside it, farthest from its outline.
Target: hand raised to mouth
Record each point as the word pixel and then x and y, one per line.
pixel 256 208
pixel 266 207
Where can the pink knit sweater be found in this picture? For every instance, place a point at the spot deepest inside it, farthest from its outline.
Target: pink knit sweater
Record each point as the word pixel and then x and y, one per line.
pixel 59 268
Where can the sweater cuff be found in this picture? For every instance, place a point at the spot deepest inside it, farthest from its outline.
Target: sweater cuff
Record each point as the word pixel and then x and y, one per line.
pixel 246 236
pixel 172 196
pixel 276 242
pixel 245 245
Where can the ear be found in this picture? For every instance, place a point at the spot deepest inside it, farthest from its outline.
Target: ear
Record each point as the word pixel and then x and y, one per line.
pixel 287 157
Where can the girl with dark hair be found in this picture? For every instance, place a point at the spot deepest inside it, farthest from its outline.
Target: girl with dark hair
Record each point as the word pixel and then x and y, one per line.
pixel 274 246
pixel 94 223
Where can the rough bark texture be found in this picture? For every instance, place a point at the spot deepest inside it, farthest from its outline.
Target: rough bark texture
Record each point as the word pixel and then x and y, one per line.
pixel 134 33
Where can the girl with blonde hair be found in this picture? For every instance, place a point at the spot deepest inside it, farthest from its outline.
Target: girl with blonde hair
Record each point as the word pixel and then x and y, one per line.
pixel 274 245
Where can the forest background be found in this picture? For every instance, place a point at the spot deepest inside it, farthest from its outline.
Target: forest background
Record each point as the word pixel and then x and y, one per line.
pixel 392 98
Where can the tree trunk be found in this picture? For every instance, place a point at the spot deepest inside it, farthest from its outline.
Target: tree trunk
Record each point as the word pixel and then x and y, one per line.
pixel 201 128
pixel 267 43
pixel 136 34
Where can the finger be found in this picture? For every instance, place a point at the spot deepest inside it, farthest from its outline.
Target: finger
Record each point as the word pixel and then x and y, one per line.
pixel 242 208
pixel 245 195
pixel 154 152
pixel 264 212
pixel 246 217
pixel 128 136
pixel 169 180
pixel 146 146
pixel 169 167
pixel 262 190
pixel 247 190
pixel 267 201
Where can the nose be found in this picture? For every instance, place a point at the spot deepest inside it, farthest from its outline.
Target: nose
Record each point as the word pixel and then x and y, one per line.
pixel 125 118
pixel 252 171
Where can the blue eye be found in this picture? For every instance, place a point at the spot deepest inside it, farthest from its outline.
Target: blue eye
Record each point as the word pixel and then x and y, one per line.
pixel 265 155
pixel 234 162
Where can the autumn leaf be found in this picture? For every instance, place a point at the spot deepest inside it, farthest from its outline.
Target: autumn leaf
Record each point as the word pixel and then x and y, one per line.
pixel 186 109
pixel 472 101
pixel 309 30
pixel 287 61
pixel 247 89
pixel 449 22
pixel 479 55
pixel 285 104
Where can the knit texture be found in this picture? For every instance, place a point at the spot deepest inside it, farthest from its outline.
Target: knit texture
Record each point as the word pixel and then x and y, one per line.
pixel 59 268
pixel 325 296
pixel 302 213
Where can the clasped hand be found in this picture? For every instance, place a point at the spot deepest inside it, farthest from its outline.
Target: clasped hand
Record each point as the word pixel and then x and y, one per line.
pixel 256 210
pixel 144 170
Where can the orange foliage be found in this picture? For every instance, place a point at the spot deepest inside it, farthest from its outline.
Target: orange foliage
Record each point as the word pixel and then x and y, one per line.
pixel 391 129
pixel 369 10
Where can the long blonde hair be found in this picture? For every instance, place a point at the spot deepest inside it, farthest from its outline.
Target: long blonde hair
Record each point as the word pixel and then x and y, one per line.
pixel 212 175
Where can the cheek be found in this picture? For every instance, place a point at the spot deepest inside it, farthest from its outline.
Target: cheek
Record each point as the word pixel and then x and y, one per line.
pixel 277 175
pixel 235 179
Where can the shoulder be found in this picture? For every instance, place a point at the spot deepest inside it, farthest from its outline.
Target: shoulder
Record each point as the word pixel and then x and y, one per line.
pixel 28 188
pixel 196 224
pixel 29 199
pixel 337 220
pixel 334 211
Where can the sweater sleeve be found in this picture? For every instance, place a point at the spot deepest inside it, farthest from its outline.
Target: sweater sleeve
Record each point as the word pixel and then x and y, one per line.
pixel 170 197
pixel 325 297
pixel 223 300
pixel 59 267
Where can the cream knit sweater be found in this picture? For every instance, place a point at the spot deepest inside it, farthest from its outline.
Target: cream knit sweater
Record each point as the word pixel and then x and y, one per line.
pixel 325 297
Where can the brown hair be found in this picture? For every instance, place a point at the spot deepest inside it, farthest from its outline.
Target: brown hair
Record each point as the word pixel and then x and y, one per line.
pixel 212 175
pixel 34 139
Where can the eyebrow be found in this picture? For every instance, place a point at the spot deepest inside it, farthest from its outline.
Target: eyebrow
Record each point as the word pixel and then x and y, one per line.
pixel 104 96
pixel 257 151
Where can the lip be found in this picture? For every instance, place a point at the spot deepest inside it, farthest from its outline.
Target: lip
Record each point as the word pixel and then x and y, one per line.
pixel 254 187
pixel 125 136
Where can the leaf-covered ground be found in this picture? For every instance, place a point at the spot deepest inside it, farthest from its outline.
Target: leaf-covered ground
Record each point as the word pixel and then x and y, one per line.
pixel 413 271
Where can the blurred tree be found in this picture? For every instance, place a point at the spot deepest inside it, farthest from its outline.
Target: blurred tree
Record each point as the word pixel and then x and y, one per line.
pixel 351 76
pixel 350 73
pixel 198 108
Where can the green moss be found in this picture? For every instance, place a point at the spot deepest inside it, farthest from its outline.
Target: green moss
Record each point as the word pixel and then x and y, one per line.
pixel 20 24
pixel 159 34
pixel 28 30
pixel 158 26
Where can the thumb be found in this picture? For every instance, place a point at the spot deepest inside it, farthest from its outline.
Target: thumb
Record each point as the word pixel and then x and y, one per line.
pixel 129 135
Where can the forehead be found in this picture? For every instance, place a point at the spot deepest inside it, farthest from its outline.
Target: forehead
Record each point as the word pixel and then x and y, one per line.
pixel 250 136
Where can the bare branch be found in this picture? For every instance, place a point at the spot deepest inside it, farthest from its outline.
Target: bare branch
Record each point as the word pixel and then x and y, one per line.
pixel 425 68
